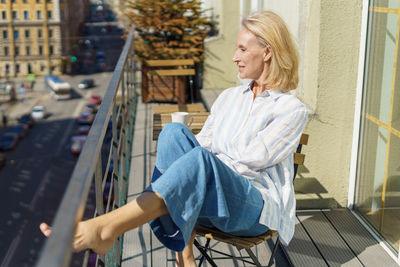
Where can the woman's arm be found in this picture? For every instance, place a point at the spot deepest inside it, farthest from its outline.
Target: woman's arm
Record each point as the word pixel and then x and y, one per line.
pixel 273 144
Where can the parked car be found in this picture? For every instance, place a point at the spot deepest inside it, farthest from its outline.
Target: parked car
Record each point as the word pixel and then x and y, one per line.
pixel 83 130
pixel 38 112
pixel 2 160
pixel 95 100
pixel 20 129
pixel 92 108
pixel 26 119
pixel 86 83
pixel 8 141
pixel 77 144
pixel 85 118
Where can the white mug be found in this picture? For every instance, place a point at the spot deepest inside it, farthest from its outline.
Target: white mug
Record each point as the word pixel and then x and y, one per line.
pixel 182 117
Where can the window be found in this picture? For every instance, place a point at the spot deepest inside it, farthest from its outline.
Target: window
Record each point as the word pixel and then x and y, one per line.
pixel 17 68
pixel 12 1
pixel 26 15
pixel 5 34
pixel 39 33
pixel 6 52
pixel 16 34
pixel 37 1
pixel 3 1
pixel 14 15
pixel 7 68
pixel 51 50
pixel 27 34
pixel 3 14
pixel 28 50
pixel 38 14
pixel 17 50
pixel 25 1
pixel 40 50
pixel 50 33
pixel 49 14
pixel 379 146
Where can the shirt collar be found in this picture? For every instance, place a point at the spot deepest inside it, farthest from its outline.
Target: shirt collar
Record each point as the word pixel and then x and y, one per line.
pixel 273 93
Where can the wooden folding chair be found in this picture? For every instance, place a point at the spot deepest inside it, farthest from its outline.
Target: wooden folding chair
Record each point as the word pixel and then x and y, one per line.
pixel 243 242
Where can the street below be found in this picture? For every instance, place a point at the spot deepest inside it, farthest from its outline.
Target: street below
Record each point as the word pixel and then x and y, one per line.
pixel 37 172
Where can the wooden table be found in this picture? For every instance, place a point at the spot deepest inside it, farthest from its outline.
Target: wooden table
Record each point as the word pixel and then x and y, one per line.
pixel 162 115
pixel 197 107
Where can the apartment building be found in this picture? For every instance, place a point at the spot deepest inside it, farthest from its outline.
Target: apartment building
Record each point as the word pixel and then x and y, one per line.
pixel 38 36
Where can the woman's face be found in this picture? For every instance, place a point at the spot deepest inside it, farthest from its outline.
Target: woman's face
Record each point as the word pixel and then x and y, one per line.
pixel 250 56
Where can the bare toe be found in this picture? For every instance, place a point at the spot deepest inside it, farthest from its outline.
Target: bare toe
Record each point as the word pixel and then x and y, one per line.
pixel 46 229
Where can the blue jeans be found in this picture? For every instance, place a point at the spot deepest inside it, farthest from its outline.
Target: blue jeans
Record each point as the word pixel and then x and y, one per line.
pixel 199 188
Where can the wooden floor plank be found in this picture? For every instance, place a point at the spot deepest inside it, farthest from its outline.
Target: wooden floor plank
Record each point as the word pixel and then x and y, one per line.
pixel 330 244
pixel 301 250
pixel 366 248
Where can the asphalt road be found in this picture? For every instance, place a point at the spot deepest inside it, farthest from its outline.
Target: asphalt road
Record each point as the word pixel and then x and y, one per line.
pixel 37 173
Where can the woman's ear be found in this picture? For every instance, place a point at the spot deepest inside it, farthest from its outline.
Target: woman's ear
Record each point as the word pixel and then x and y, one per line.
pixel 267 54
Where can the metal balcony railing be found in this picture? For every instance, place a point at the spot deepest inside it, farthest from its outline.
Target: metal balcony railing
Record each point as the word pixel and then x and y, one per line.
pixel 106 159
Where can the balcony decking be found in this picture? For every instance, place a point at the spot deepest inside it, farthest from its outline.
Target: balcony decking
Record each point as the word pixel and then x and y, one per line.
pixel 322 237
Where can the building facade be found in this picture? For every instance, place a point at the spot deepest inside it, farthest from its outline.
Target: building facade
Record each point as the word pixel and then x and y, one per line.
pixel 38 36
pixel 350 81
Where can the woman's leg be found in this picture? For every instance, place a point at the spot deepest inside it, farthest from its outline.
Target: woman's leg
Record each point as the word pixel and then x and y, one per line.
pixel 174 141
pixel 186 257
pixel 199 186
pixel 101 232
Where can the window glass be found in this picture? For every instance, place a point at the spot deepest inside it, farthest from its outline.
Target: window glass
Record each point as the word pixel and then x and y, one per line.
pixel 378 172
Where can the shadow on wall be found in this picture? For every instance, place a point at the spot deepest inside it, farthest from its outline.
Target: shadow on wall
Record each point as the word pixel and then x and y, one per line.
pixel 310 192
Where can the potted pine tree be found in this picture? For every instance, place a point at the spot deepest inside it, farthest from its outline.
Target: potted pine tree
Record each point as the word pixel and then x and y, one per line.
pixel 172 31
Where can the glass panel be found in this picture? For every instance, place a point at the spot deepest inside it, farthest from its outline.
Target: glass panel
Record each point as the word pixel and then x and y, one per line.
pixel 371 171
pixel 379 74
pixel 391 215
pixel 385 3
pixel 378 107
pixel 396 98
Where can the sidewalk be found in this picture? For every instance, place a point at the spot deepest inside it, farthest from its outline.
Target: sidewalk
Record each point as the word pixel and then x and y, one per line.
pixel 14 110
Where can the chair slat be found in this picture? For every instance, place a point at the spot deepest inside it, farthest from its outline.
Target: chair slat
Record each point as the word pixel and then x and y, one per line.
pixel 174 72
pixel 298 158
pixel 169 62
pixel 304 139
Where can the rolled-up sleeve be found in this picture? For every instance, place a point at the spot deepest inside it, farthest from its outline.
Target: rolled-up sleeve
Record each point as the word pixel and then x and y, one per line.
pixel 277 141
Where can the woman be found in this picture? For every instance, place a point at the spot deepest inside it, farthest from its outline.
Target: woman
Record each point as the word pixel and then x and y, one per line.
pixel 236 174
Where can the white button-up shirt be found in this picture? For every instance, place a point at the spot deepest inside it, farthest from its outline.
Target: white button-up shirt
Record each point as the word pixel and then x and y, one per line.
pixel 257 139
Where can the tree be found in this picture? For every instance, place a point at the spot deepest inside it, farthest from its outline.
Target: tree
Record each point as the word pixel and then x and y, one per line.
pixel 168 29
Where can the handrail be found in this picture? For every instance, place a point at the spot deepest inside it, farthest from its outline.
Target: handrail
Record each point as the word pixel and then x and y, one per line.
pixel 57 248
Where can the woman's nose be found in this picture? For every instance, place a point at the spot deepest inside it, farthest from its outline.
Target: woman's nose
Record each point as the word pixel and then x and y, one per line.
pixel 235 58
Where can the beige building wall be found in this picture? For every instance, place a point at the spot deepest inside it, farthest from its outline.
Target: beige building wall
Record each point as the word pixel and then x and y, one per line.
pixel 219 70
pixel 330 79
pixel 328 37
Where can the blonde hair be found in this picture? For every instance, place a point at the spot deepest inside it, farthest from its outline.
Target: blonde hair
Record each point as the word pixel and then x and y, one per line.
pixel 271 31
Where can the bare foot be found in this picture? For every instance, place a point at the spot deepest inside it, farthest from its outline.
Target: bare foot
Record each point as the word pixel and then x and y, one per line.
pixel 89 235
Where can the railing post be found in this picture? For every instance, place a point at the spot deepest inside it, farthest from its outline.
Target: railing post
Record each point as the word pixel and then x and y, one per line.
pixel 98 187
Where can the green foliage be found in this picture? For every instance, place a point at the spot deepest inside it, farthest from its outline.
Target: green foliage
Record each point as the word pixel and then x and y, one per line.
pixel 168 29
